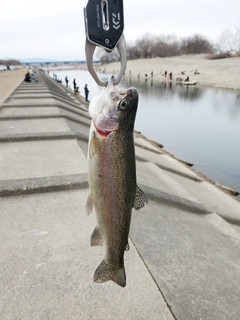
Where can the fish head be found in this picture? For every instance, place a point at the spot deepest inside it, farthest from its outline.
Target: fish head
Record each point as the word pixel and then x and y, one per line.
pixel 114 110
pixel 127 109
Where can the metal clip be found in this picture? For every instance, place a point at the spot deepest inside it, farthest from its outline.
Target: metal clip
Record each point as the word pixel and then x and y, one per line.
pixel 89 50
pixel 104 28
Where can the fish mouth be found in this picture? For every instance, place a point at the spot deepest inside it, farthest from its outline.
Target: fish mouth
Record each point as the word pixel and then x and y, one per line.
pixel 123 92
pixel 104 133
pixel 131 92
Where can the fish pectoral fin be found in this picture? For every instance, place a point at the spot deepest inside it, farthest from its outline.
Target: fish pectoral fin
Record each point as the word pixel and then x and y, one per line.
pixel 140 199
pixel 89 205
pixel 96 237
pixel 106 272
pixel 93 146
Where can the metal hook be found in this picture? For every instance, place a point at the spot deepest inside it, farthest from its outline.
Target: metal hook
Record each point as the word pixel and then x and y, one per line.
pixel 122 49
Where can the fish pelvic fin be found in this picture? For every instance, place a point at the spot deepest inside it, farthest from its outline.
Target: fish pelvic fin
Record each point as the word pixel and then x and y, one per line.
pixel 89 205
pixel 96 237
pixel 140 199
pixel 106 272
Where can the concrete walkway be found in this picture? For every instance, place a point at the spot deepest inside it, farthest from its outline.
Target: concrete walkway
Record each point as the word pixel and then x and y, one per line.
pixel 184 257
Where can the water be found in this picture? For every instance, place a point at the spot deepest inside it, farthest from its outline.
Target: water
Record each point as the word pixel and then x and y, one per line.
pixel 82 77
pixel 197 124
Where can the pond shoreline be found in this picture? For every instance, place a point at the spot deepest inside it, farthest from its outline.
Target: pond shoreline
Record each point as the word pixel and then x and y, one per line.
pixel 220 73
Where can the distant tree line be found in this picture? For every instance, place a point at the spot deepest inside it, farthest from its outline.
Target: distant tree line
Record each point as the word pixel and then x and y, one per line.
pixel 149 46
pixel 10 62
pixel 168 46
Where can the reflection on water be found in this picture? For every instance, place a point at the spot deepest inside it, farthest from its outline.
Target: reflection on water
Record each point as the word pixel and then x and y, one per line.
pixel 189 93
pixel 161 89
pixel 198 124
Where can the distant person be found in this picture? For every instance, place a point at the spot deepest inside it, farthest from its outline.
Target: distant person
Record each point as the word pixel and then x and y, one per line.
pixel 86 92
pixel 165 73
pixel 27 77
pixel 187 79
pixel 179 78
pixel 66 80
pixel 76 91
pixel 74 84
pixel 170 75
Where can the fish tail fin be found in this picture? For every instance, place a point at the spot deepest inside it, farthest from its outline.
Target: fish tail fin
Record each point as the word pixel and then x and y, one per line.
pixel 105 272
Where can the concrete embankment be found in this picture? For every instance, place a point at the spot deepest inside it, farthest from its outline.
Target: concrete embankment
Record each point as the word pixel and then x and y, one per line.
pixel 183 261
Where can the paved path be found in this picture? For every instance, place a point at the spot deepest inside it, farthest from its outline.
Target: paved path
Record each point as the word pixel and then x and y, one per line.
pixel 184 257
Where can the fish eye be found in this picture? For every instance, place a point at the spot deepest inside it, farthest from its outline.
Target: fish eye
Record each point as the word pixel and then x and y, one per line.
pixel 123 104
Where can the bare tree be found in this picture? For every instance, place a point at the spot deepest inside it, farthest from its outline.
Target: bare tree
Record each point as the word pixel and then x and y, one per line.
pixel 196 44
pixel 229 40
pixel 149 46
pixel 144 46
pixel 10 62
pixel 166 46
pixel 133 51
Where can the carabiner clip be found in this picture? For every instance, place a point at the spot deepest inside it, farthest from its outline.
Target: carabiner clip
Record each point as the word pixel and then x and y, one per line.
pixel 122 49
pixel 104 28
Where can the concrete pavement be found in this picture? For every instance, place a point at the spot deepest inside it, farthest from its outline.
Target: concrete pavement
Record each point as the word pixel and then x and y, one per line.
pixel 183 262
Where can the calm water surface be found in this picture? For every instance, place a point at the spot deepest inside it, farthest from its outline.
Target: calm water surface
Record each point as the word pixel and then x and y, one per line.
pixel 198 124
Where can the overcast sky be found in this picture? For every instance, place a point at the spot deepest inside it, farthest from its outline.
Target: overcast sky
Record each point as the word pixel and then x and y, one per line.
pixel 55 30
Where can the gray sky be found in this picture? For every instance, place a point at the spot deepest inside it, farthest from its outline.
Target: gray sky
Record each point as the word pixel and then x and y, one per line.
pixel 55 30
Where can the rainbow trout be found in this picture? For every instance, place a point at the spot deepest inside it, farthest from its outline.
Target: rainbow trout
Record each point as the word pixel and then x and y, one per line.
pixel 112 177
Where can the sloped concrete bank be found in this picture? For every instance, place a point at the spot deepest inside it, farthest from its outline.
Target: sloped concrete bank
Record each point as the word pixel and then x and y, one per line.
pixel 183 261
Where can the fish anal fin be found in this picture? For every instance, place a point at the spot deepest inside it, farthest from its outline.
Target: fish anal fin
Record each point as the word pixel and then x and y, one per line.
pixel 140 199
pixel 96 237
pixel 89 205
pixel 106 272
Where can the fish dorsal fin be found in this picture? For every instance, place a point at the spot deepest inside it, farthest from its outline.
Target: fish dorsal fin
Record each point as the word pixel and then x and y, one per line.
pixel 89 205
pixel 139 199
pixel 96 237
